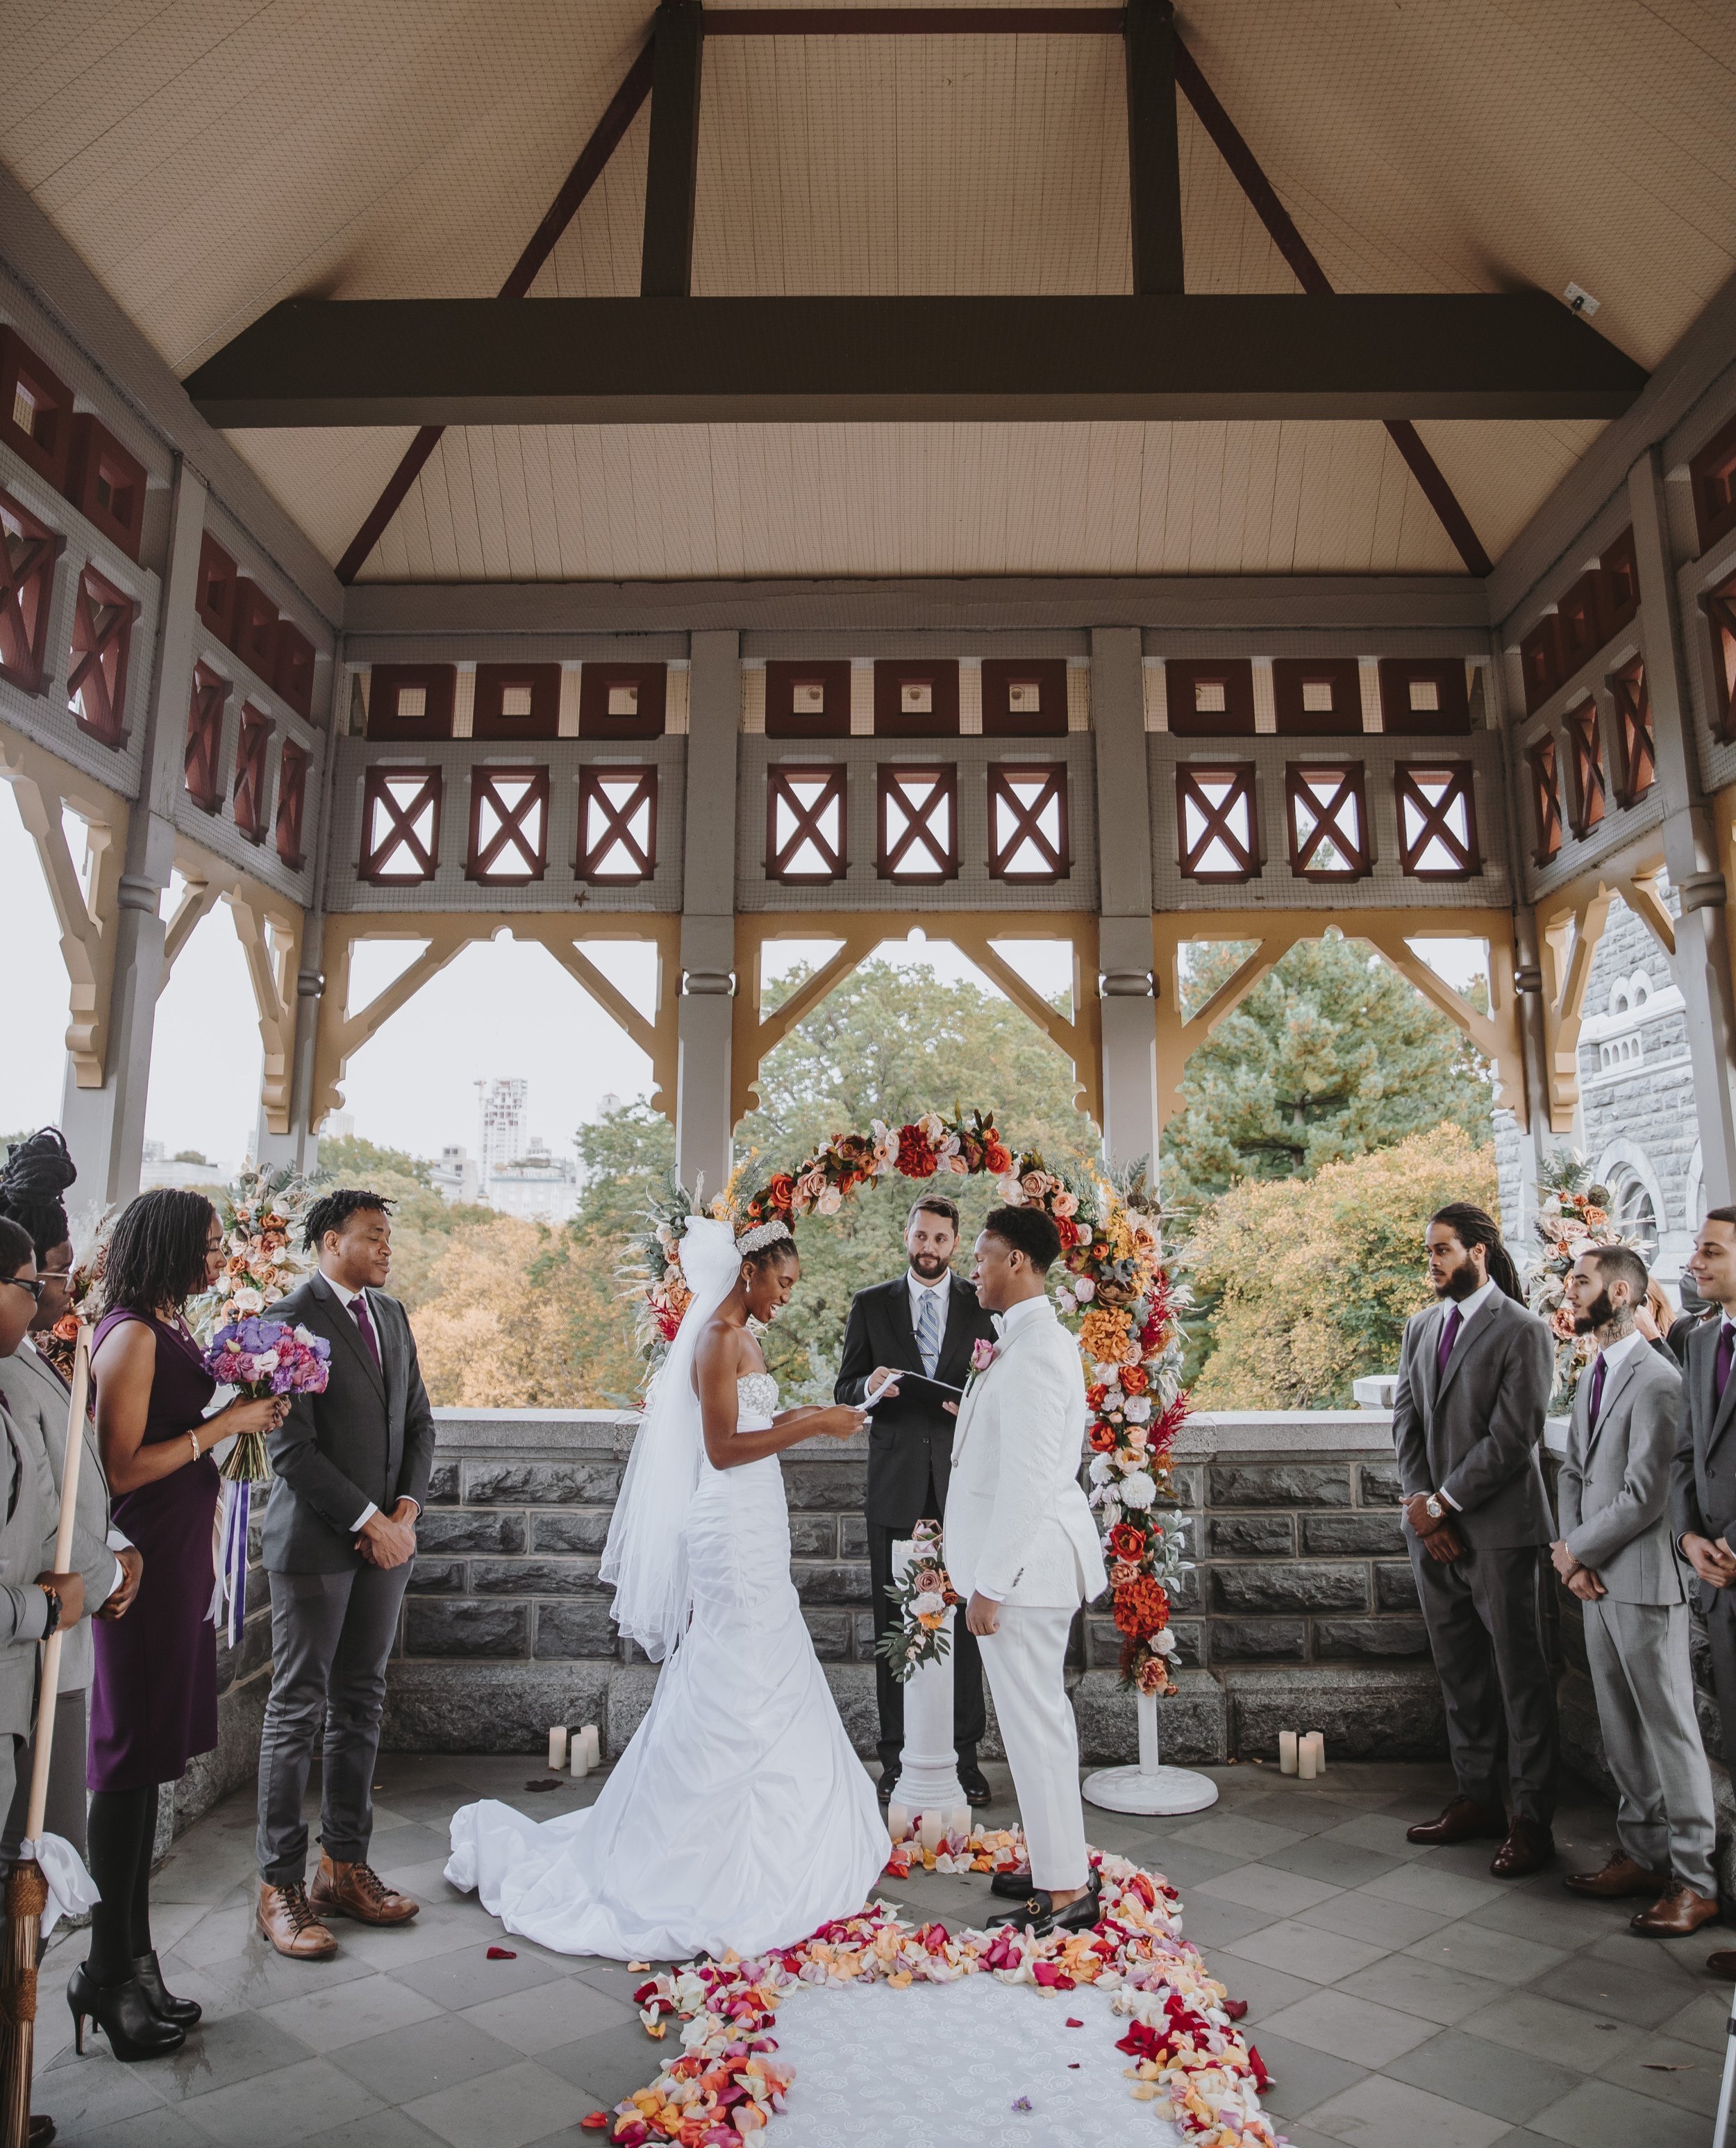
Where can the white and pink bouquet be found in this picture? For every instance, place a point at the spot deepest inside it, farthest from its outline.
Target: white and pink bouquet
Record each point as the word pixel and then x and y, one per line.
pixel 260 1358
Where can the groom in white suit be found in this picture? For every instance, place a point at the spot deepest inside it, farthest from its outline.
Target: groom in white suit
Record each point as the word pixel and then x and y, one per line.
pixel 1022 1550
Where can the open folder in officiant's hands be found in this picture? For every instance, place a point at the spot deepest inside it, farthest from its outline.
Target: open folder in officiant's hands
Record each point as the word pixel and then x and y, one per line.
pixel 898 1380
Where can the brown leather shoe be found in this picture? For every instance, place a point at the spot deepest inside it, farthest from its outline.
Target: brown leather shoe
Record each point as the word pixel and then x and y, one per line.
pixel 1462 1821
pixel 288 1920
pixel 358 1891
pixel 1526 1849
pixel 1620 1877
pixel 1721 1964
pixel 1679 1913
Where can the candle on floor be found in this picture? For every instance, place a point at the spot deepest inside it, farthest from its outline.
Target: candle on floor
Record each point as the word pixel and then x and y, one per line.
pixel 1316 1742
pixel 581 1759
pixel 1305 1760
pixel 593 1742
pixel 1287 1752
pixel 557 1748
pixel 958 1824
pixel 931 1830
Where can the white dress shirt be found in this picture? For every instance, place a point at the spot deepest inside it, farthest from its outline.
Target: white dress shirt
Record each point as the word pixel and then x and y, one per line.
pixel 348 1298
pixel 1618 1353
pixel 1468 1307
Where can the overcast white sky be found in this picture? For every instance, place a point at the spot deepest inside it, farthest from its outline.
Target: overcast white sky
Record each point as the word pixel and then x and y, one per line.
pixel 500 1009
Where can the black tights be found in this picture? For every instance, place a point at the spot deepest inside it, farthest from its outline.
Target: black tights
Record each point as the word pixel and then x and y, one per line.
pixel 122 1836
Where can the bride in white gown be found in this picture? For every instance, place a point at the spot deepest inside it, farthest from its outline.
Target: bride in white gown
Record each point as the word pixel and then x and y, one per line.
pixel 738 1816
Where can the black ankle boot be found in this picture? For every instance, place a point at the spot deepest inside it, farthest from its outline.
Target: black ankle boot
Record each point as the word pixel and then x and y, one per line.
pixel 123 2015
pixel 184 2013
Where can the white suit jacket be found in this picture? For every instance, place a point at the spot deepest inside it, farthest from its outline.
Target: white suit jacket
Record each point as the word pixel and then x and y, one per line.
pixel 1018 1526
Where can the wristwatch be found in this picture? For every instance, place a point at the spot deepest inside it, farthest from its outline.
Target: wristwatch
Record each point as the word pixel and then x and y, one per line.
pixel 1433 1507
pixel 53 1625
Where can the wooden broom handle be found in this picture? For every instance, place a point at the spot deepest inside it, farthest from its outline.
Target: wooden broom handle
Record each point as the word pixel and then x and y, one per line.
pixel 50 1682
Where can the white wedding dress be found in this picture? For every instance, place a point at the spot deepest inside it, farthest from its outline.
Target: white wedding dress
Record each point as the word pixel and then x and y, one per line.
pixel 738 1816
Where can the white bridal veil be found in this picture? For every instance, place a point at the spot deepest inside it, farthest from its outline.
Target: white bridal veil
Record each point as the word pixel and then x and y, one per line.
pixel 645 1559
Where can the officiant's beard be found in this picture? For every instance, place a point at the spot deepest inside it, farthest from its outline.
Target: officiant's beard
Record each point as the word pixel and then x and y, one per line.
pixel 929 1267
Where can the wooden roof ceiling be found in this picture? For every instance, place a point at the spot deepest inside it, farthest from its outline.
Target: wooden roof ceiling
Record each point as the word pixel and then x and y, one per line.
pixel 209 158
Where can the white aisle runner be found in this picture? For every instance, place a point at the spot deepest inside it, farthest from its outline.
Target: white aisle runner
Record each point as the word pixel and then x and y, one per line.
pixel 946 2064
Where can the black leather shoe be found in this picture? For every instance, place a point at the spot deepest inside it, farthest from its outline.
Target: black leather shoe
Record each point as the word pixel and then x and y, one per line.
pixel 41 2133
pixel 1037 1909
pixel 1012 1886
pixel 975 1786
pixel 883 1788
pixel 123 2015
pixel 184 2013
pixel 1082 1913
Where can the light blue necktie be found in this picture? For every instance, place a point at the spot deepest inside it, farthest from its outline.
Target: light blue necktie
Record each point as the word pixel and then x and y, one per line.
pixel 928 1330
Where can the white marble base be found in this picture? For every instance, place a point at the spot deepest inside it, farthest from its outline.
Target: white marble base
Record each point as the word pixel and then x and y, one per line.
pixel 1161 1790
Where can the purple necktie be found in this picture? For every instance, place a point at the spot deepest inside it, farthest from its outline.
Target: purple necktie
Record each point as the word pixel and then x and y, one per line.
pixel 1721 1364
pixel 359 1306
pixel 1449 1335
pixel 1597 1391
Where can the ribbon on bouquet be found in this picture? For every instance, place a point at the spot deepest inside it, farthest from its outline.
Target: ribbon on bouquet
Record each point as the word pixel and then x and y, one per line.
pixel 229 1599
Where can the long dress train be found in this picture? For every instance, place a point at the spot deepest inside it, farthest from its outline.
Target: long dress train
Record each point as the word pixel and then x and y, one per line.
pixel 738 1816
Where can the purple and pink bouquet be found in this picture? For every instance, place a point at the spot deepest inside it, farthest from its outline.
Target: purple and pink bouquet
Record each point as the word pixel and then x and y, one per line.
pixel 260 1358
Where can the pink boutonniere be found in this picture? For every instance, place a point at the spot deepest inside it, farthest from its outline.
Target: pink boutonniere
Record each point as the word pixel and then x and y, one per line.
pixel 983 1354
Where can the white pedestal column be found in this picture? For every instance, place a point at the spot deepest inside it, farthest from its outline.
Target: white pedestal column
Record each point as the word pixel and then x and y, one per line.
pixel 928 1781
pixel 1151 1787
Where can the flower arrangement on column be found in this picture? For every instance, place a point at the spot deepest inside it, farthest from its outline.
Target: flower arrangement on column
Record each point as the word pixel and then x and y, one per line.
pixel 1117 1296
pixel 1573 1217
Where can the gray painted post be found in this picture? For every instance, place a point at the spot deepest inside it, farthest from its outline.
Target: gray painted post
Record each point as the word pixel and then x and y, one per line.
pixel 1702 962
pixel 703 1126
pixel 105 1128
pixel 1124 852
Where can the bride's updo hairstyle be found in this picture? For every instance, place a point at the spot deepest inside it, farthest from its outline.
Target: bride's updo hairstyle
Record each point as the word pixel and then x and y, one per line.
pixel 766 1246
pixel 1030 1231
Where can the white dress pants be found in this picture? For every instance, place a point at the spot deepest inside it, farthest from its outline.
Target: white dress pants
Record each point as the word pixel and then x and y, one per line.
pixel 1025 1660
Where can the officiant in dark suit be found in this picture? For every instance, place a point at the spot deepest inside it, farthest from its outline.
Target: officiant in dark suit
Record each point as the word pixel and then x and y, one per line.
pixel 923 1322
pixel 350 1470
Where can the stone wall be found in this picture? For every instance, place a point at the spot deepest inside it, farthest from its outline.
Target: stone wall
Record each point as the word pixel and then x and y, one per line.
pixel 1300 1611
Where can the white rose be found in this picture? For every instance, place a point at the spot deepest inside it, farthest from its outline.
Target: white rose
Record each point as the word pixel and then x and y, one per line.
pixel 1010 1190
pixel 1109 1512
pixel 1065 1302
pixel 1085 1290
pixel 306 1337
pixel 1099 1471
pixel 265 1364
pixel 1106 1373
pixel 1138 1408
pixel 928 1605
pixel 830 1202
pixel 249 1301
pixel 1164 1643
pixel 1137 1491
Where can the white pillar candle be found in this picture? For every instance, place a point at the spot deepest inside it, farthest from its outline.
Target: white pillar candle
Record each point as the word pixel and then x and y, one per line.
pixel 1287 1752
pixel 931 1829
pixel 958 1824
pixel 1305 1760
pixel 1316 1742
pixel 592 1740
pixel 898 1821
pixel 557 1748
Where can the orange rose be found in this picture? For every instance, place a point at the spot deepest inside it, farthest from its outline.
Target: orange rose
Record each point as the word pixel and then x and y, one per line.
pixel 1101 1437
pixel 996 1157
pixel 1134 1379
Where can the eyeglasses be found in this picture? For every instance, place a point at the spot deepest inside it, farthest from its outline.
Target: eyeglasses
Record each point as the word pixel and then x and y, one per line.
pixel 36 1285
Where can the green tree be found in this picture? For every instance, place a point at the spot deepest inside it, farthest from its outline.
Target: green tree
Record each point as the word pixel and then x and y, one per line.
pixel 1331 1055
pixel 423 1222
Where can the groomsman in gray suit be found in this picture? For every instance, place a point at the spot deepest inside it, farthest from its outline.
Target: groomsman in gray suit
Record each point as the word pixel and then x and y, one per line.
pixel 1474 1372
pixel 1615 1555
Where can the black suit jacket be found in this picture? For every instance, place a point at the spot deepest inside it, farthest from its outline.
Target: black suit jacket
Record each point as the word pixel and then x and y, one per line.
pixel 1703 1483
pixel 369 1438
pixel 912 1436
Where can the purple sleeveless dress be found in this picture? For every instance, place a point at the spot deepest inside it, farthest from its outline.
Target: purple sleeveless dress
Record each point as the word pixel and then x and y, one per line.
pixel 153 1702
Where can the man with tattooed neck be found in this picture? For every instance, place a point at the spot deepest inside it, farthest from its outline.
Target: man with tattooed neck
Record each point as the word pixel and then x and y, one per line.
pixel 1615 1555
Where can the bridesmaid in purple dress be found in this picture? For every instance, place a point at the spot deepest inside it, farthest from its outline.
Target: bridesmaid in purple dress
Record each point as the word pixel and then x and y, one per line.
pixel 153 1703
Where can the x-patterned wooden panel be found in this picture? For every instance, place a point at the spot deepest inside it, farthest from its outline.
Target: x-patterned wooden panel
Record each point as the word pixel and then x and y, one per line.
pixel 617 825
pixel 254 743
pixel 1636 749
pixel 102 617
pixel 1217 818
pixel 806 824
pixel 400 826
pixel 508 826
pixel 1028 824
pixel 1437 820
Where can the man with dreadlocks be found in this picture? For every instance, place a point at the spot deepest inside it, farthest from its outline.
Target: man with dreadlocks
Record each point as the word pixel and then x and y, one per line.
pixel 350 1469
pixel 1474 1372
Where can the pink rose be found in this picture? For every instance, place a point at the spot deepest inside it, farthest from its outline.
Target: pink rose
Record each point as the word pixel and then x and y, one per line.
pixel 983 1354
pixel 1065 1203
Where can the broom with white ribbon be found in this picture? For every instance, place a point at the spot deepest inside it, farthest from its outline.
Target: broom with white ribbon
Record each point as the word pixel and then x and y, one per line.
pixel 27 1890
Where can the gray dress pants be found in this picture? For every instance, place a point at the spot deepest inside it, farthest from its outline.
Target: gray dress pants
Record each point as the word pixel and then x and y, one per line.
pixel 68 1802
pixel 1484 1615
pixel 1644 1684
pixel 330 1636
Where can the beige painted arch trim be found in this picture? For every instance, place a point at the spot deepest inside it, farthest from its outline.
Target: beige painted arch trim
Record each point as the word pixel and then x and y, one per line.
pixel 1570 924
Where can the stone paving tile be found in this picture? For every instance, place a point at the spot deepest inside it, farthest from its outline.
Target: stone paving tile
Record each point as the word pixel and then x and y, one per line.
pixel 1555 1916
pixel 1211 1924
pixel 1337 1863
pixel 326 2020
pixel 1235 1837
pixel 1703 2021
pixel 1422 1987
pixel 551 2014
pixel 466 1977
pixel 1682 2073
pixel 1430 1886
pixel 159 2127
pixel 427 2056
pixel 1302 2077
pixel 1483 1953
pixel 386 2129
pixel 1530 2021
pixel 1278 1893
pixel 1303 1815
pixel 1361 1916
pixel 271 2110
pixel 1598 2115
pixel 1489 2077
pixel 1360 2030
pixel 1610 1992
pixel 1380 1831
pixel 1186 1864
pixel 606 2066
pixel 1382 2113
pixel 1321 1956
pixel 510 2109
pixel 1264 1989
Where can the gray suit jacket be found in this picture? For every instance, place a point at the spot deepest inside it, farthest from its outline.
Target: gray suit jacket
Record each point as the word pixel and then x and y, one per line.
pixel 28 1509
pixel 1473 1431
pixel 1614 1490
pixel 37 1398
pixel 1703 1483
pixel 369 1438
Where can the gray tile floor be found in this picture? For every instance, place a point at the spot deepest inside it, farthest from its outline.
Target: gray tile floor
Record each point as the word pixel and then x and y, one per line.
pixel 1399 1996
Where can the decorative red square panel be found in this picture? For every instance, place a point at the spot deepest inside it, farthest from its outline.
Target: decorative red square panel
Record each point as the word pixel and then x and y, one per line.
pixel 1316 697
pixel 1712 474
pixel 509 825
pixel 1585 756
pixel 1210 698
pixel 918 823
pixel 411 701
pixel 1720 606
pixel 1024 697
pixel 805 824
pixel 254 631
pixel 1540 660
pixel 204 738
pixel 807 700
pixel 1618 586
pixel 1028 824
pixel 517 701
pixel 214 599
pixel 622 700
pixel 292 803
pixel 1545 800
pixel 102 619
pixel 1424 696
pixel 36 410
pixel 250 752
pixel 1217 818
pixel 1438 820
pixel 1636 751
pixel 400 826
pixel 291 670
pixel 106 484
pixel 914 699
pixel 617 825
pixel 28 552
pixel 1327 805
pixel 1580 635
